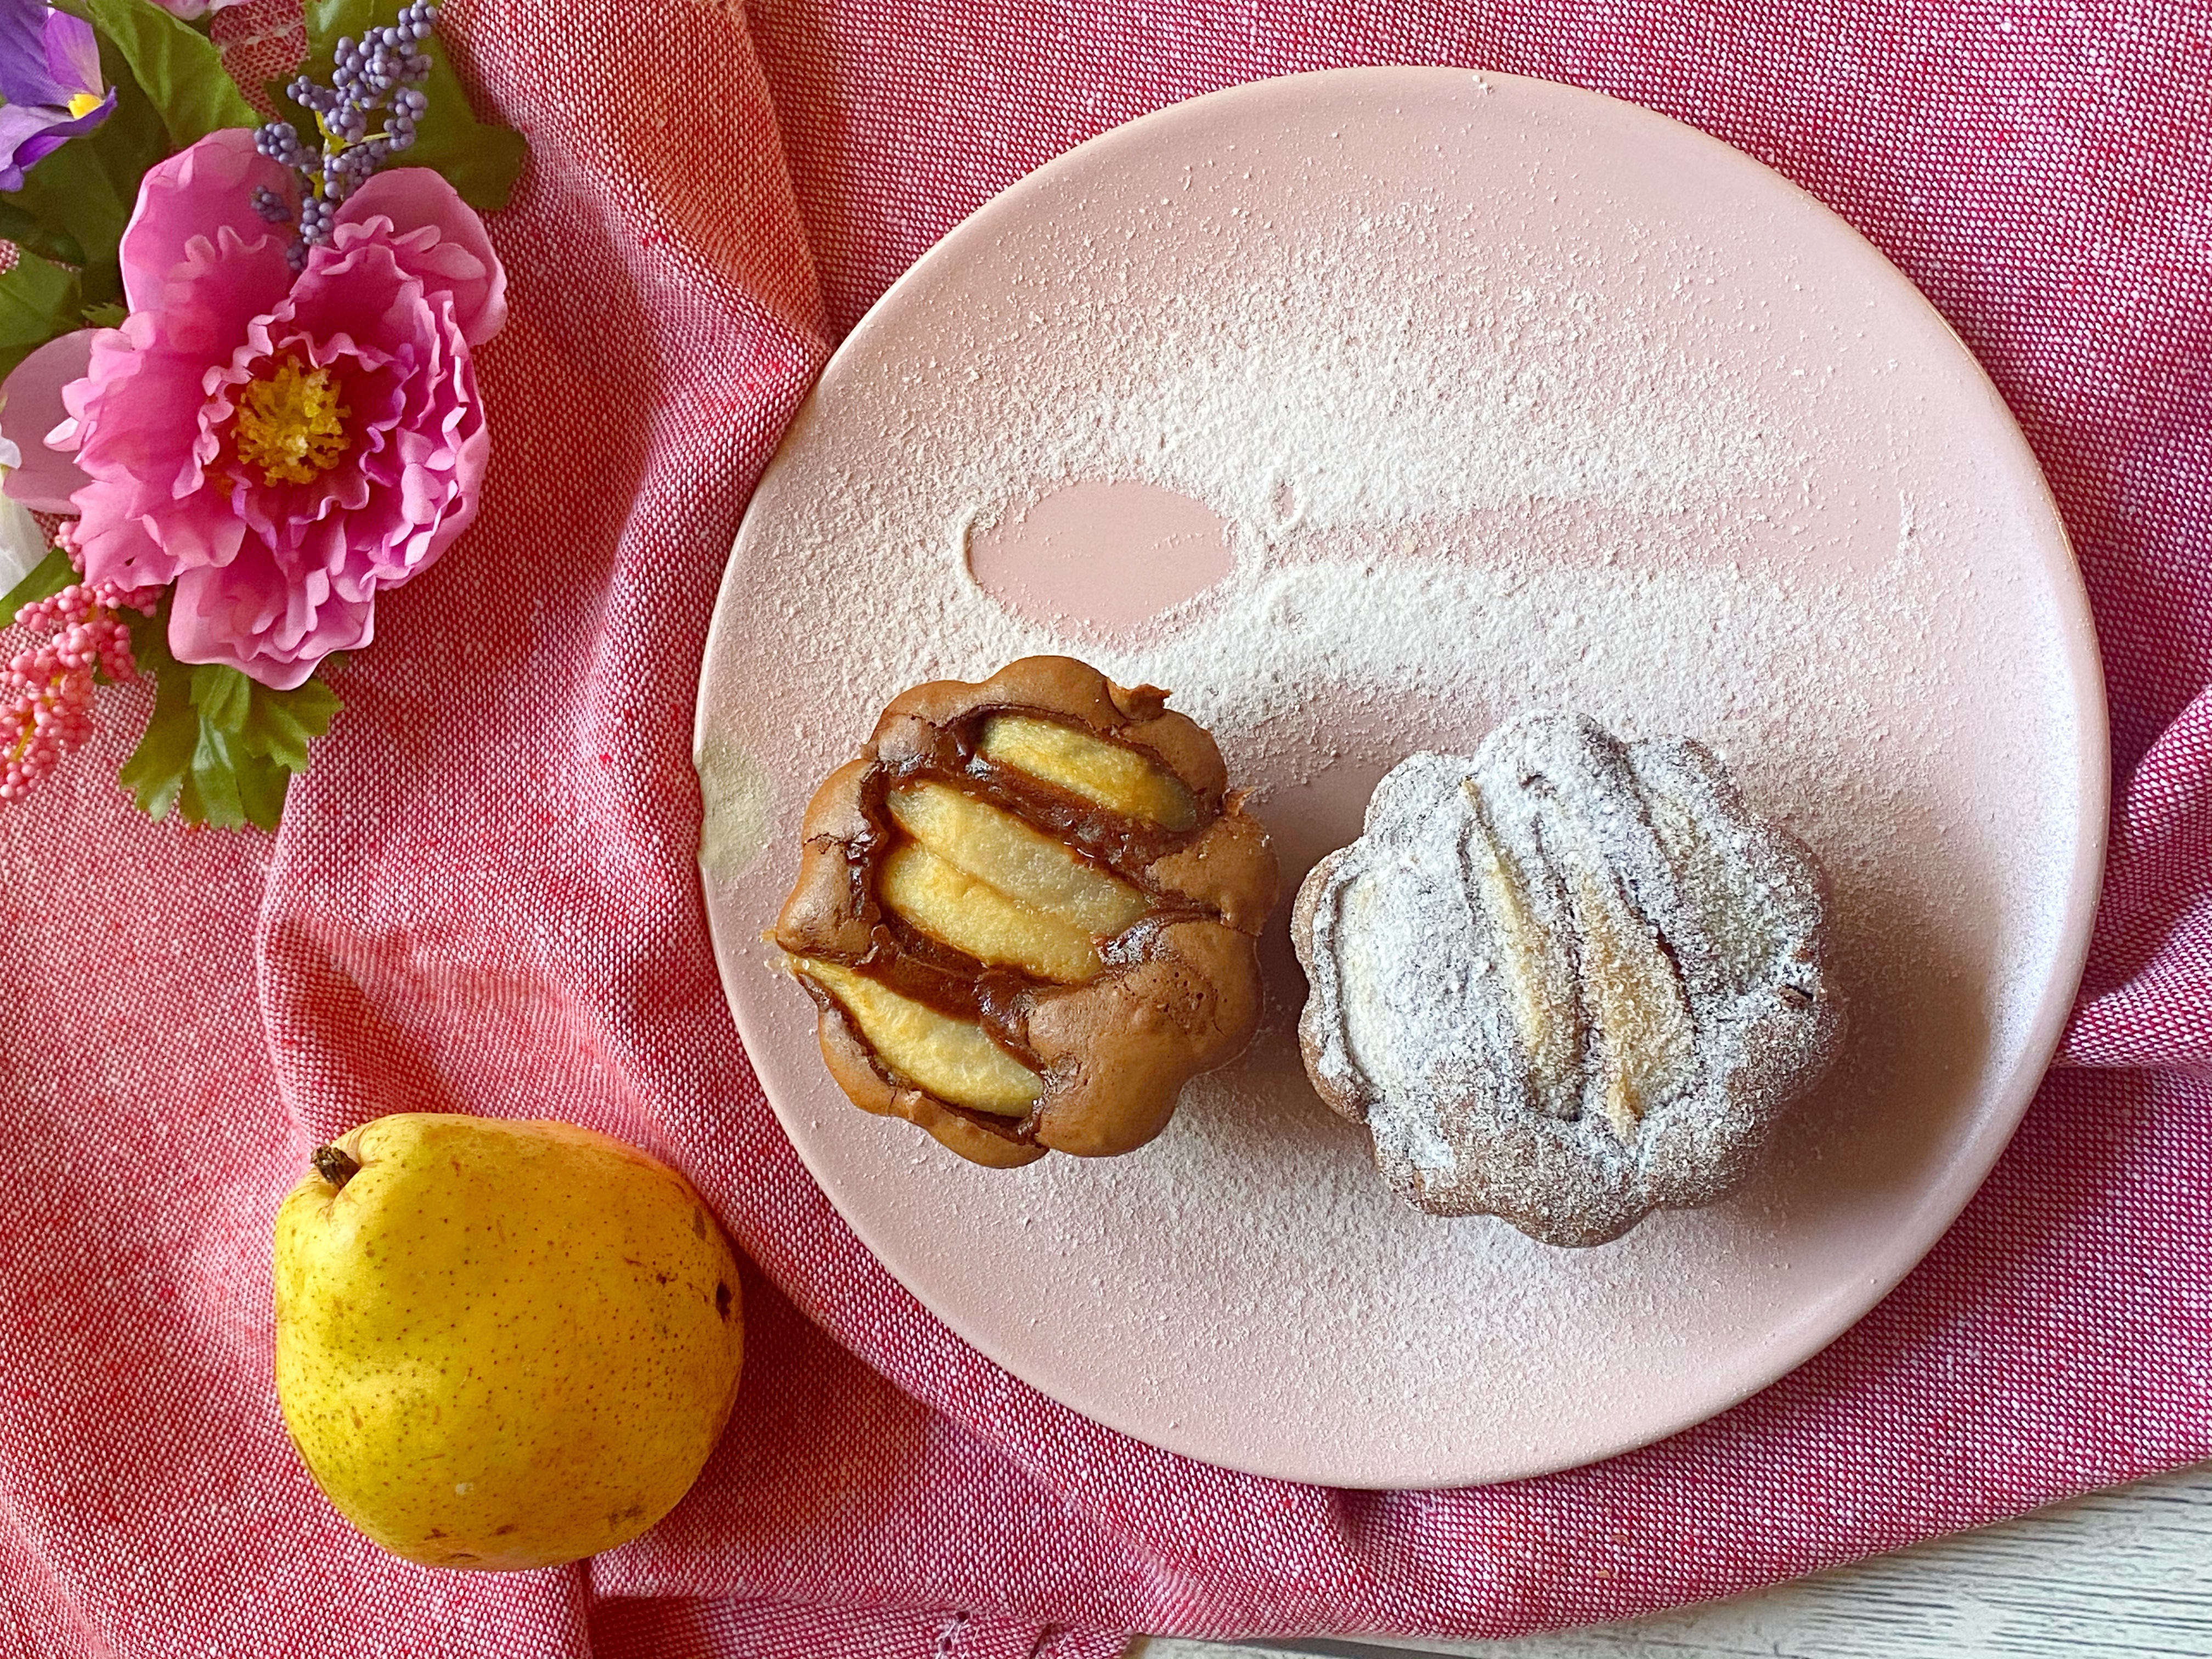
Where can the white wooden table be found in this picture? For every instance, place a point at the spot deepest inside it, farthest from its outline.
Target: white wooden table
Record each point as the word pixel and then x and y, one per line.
pixel 2126 1572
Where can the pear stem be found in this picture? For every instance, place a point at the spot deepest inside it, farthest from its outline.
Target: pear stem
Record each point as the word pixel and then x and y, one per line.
pixel 335 1164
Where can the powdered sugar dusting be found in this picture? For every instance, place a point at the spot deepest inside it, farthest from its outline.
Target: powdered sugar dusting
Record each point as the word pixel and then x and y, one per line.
pixel 1563 980
pixel 1669 466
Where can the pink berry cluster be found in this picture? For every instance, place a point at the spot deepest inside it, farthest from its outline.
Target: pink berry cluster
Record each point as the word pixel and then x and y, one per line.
pixel 46 692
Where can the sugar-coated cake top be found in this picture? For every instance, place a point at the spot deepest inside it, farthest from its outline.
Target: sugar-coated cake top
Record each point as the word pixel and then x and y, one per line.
pixel 1567 981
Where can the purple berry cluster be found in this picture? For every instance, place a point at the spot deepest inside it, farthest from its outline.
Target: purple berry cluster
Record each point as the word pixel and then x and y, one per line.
pixel 366 116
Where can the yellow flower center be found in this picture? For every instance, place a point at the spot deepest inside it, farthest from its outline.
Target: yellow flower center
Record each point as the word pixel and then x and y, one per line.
pixel 83 103
pixel 291 424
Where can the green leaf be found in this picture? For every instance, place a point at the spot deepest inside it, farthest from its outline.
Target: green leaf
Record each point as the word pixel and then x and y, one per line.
pixel 72 191
pixel 262 785
pixel 105 316
pixel 221 748
pixel 213 786
pixel 176 66
pixel 158 768
pixel 42 581
pixel 222 695
pixel 480 161
pixel 133 137
pixel 281 724
pixel 86 189
pixel 48 242
pixel 38 301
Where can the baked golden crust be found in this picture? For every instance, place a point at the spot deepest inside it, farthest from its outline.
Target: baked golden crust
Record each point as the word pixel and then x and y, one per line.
pixel 962 864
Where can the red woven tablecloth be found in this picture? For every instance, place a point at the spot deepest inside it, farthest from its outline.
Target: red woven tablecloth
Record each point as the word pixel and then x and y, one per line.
pixel 484 900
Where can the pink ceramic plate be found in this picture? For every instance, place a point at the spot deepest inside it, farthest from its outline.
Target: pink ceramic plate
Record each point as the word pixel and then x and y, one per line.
pixel 1363 409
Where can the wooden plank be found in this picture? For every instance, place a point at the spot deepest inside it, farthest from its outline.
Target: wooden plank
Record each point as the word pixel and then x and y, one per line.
pixel 2117 1575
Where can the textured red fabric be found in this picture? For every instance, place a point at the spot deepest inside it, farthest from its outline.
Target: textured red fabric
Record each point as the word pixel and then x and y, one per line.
pixel 483 898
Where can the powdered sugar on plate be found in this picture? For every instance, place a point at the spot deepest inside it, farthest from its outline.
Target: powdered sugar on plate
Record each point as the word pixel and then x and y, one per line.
pixel 1495 415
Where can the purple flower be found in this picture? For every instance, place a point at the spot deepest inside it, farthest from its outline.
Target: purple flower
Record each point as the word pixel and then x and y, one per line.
pixel 282 448
pixel 50 75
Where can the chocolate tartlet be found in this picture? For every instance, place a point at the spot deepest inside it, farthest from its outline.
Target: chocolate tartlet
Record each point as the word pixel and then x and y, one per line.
pixel 1028 913
pixel 1567 981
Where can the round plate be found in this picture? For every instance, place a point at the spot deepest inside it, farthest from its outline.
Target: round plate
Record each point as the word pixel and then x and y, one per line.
pixel 1362 410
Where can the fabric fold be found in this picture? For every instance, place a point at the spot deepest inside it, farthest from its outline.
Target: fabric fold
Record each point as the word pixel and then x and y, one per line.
pixel 484 899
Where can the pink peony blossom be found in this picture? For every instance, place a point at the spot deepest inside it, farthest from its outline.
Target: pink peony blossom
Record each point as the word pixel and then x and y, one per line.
pixel 281 448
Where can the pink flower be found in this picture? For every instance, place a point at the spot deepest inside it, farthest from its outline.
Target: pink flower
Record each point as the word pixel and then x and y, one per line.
pixel 281 449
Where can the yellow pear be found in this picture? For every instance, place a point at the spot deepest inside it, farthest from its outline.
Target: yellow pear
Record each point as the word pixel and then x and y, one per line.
pixel 501 1345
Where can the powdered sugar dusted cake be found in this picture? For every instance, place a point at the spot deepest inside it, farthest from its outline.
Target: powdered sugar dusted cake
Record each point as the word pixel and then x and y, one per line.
pixel 1567 981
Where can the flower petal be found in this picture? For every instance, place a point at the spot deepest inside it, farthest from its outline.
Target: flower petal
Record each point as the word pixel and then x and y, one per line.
pixel 56 128
pixel 251 615
pixel 25 77
pixel 116 548
pixel 73 56
pixel 20 124
pixel 30 407
pixel 193 195
pixel 273 575
pixel 138 427
pixel 435 236
pixel 22 545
